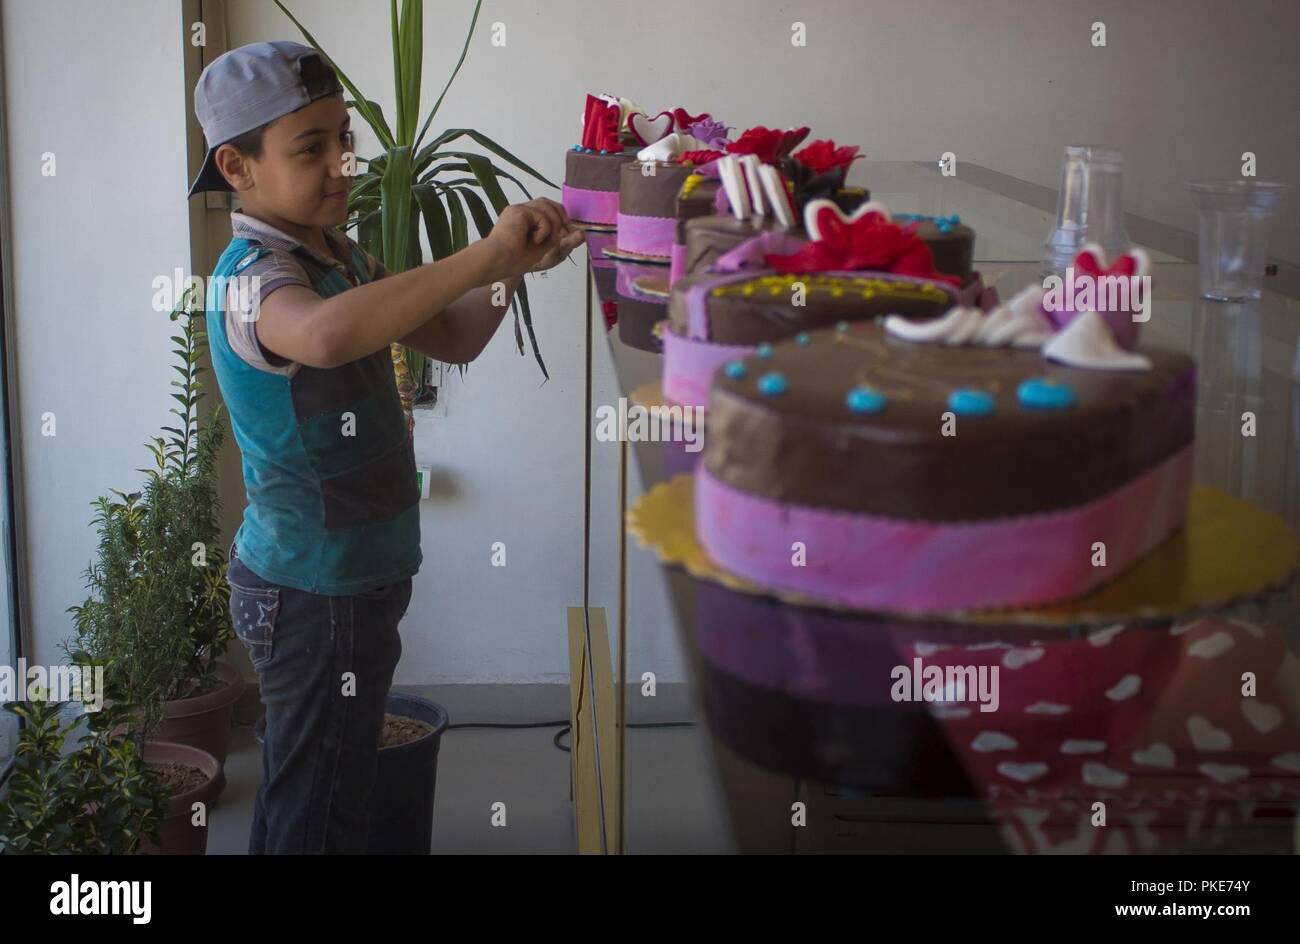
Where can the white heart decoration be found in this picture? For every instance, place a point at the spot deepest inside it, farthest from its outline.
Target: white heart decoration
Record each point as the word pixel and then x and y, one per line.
pixel 1212 646
pixel 1022 773
pixel 1126 687
pixel 814 208
pixel 1264 718
pixel 1104 636
pixel 929 648
pixel 1088 343
pixel 1019 658
pixel 950 712
pixel 1099 775
pixel 1157 755
pixel 1082 747
pixel 1223 773
pixel 1248 627
pixel 1289 762
pixel 649 130
pixel 667 148
pixel 1205 736
pixel 988 741
pixel 1047 708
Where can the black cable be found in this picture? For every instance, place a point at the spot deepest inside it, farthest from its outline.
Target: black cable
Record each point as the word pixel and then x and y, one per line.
pixel 564 727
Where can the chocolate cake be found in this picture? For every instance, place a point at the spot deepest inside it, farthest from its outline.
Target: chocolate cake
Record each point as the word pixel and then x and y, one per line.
pixel 647 206
pixel 720 311
pixel 951 242
pixel 930 477
pixel 591 180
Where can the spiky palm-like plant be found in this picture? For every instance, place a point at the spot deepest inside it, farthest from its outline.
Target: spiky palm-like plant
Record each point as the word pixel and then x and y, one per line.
pixel 437 182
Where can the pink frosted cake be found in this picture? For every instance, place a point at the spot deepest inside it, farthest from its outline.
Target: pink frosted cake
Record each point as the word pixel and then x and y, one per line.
pixel 1009 458
pixel 774 284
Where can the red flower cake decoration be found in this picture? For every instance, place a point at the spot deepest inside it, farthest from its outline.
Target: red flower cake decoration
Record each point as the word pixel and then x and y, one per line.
pixel 698 157
pixel 1087 262
pixel 823 156
pixel 600 125
pixel 865 240
pixel 682 119
pixel 769 145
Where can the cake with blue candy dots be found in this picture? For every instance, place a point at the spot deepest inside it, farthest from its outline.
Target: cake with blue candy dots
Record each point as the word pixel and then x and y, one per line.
pixel 973 460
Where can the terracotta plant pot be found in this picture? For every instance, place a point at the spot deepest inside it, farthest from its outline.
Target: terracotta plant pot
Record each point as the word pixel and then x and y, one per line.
pixel 203 721
pixel 178 836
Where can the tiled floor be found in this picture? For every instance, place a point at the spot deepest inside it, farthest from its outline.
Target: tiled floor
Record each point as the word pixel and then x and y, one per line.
pixel 672 807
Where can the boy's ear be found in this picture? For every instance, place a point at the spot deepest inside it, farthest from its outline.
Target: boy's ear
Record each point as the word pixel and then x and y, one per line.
pixel 233 167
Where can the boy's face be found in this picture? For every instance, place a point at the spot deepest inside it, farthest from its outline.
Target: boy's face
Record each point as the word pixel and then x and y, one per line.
pixel 299 176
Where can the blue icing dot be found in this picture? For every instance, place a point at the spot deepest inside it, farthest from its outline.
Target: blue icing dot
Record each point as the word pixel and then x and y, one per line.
pixel 735 370
pixel 801 337
pixel 764 350
pixel 968 402
pixel 841 326
pixel 586 150
pixel 773 384
pixel 865 400
pixel 1042 394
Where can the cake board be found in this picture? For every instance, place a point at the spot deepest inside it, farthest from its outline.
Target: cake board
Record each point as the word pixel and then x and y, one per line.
pixel 1228 552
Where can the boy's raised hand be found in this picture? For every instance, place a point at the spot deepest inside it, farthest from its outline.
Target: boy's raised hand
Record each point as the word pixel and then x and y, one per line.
pixel 534 236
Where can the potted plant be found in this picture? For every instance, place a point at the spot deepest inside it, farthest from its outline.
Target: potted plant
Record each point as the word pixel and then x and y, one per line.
pixel 413 180
pixel 401 802
pixel 100 798
pixel 158 615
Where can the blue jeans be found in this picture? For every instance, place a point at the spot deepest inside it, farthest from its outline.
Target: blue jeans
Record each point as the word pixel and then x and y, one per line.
pixel 325 664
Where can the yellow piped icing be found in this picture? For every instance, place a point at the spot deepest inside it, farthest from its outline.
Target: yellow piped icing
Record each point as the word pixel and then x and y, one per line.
pixel 835 286
pixel 689 184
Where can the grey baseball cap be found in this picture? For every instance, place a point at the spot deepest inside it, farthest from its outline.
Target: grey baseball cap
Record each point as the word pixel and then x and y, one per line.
pixel 244 89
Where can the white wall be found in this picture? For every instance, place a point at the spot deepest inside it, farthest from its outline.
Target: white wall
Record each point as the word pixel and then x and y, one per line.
pixel 95 85
pixel 1183 87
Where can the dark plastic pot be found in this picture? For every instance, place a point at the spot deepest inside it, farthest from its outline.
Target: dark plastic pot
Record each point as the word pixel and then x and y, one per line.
pixel 401 804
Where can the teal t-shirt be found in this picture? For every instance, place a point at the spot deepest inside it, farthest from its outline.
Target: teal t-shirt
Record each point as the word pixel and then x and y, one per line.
pixel 329 469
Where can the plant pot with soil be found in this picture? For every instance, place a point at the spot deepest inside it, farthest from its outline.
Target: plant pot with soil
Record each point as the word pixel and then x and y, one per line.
pixel 401 803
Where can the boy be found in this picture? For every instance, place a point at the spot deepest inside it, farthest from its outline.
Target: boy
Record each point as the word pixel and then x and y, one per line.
pixel 299 325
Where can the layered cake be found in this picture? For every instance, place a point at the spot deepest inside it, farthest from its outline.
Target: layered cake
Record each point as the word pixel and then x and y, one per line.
pixel 591 167
pixel 647 207
pixel 675 144
pixel 639 311
pixel 951 242
pixel 980 460
pixel 774 284
pixel 591 180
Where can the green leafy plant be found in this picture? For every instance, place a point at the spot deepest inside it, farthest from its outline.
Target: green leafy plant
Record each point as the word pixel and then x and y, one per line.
pixel 158 614
pixel 438 182
pixel 99 798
